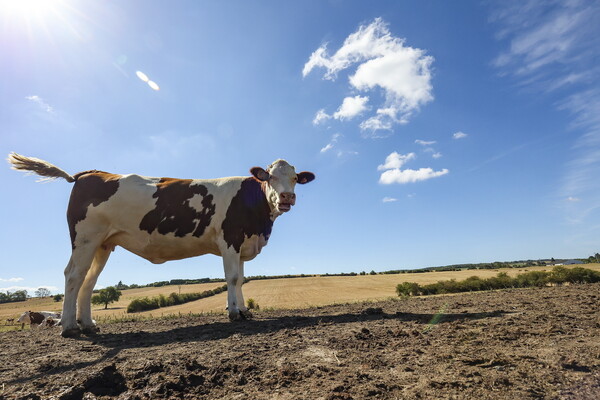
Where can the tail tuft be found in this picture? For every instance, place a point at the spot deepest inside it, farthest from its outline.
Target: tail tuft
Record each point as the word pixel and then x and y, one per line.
pixel 36 166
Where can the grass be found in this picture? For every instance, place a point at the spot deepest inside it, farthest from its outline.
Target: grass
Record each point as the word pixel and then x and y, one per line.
pixel 285 293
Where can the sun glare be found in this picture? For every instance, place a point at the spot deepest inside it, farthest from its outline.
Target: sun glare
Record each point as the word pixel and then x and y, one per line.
pixel 144 78
pixel 27 7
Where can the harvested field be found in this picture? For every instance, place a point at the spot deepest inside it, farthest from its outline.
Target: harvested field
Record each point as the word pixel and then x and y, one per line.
pixel 511 344
pixel 286 293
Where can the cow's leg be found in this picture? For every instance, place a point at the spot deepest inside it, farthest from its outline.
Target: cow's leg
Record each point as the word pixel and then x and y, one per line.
pixel 75 273
pixel 231 265
pixel 84 307
pixel 244 312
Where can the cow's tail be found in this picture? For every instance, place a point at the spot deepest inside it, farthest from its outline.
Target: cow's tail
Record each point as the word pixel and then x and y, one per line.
pixel 40 167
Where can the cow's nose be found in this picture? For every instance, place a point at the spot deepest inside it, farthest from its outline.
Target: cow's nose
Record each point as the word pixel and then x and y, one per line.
pixel 288 198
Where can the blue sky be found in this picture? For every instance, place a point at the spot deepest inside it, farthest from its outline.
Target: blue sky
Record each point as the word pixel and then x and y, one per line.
pixel 439 132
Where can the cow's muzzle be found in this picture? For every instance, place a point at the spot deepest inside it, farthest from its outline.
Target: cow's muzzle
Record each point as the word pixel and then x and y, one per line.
pixel 286 201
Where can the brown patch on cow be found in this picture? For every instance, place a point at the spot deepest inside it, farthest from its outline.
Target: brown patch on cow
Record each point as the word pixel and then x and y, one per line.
pixel 173 213
pixel 36 318
pixel 248 214
pixel 91 187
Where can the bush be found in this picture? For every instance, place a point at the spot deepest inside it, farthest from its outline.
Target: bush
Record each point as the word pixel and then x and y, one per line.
pixel 145 303
pixel 252 304
pixel 558 275
pixel 408 289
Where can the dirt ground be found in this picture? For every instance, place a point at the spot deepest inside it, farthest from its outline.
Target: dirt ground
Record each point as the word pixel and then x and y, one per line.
pixel 513 344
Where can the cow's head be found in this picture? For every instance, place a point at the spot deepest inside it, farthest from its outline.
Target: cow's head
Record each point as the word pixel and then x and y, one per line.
pixel 279 181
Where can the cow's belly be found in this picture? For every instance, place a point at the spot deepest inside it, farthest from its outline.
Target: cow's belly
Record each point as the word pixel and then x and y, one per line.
pixel 158 248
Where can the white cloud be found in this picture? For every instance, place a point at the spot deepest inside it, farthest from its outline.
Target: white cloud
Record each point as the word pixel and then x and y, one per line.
pixel 331 144
pixel 393 172
pixel 396 160
pixel 459 135
pixel 425 142
pixel 351 107
pixel 11 280
pixel 389 199
pixel 30 289
pixel 342 153
pixel 320 117
pixel 383 62
pixel 437 155
pixel 327 147
pixel 554 47
pixel 43 105
pixel 409 175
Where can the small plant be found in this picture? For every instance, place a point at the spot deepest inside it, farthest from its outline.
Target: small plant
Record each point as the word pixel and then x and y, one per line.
pixel 252 304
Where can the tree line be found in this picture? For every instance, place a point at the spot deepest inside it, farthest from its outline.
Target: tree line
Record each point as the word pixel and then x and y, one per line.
pixel 152 303
pixel 558 276
pixel 8 297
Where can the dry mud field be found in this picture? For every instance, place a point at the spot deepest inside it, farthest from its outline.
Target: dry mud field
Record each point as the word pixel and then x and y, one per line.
pixel 513 344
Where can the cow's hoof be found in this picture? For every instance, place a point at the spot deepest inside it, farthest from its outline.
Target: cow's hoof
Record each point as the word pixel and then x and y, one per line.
pixel 90 330
pixel 235 316
pixel 246 314
pixel 73 332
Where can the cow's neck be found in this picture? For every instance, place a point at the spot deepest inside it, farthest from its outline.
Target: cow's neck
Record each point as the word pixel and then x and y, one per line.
pixel 271 201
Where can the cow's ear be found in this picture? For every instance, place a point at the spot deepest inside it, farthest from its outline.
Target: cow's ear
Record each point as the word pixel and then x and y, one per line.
pixel 305 177
pixel 260 174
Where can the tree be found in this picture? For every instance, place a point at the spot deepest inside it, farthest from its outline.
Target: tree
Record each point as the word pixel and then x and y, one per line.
pixel 58 297
pixel 122 286
pixel 106 296
pixel 19 295
pixel 42 292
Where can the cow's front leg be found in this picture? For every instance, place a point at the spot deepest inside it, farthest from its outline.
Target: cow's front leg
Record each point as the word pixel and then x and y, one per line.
pixel 244 312
pixel 231 265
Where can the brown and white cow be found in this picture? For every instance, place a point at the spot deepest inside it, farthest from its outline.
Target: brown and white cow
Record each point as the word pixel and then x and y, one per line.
pixel 37 318
pixel 162 219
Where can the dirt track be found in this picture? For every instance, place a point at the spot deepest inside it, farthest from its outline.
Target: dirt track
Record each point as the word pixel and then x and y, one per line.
pixel 514 344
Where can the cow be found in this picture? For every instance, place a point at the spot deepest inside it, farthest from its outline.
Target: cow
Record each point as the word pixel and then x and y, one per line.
pixel 50 322
pixel 162 219
pixel 35 318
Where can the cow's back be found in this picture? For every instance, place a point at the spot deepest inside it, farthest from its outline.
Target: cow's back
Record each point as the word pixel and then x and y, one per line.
pixel 159 219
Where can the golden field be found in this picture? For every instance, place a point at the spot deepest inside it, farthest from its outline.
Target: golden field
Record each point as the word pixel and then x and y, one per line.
pixel 284 293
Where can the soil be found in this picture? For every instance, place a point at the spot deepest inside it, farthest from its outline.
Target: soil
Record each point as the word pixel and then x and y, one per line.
pixel 541 343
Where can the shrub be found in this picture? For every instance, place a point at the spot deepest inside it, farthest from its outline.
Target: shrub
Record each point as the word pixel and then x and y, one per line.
pixel 146 303
pixel 408 289
pixel 143 304
pixel 252 304
pixel 558 275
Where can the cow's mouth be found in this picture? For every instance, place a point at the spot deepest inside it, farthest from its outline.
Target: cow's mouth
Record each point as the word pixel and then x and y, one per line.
pixel 284 207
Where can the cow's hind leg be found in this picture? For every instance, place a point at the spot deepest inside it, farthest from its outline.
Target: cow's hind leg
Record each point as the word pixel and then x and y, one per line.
pixel 75 273
pixel 84 307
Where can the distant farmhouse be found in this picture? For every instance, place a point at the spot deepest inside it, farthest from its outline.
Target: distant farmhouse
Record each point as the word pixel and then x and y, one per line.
pixel 570 262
